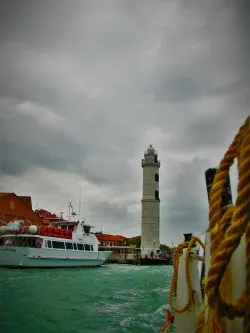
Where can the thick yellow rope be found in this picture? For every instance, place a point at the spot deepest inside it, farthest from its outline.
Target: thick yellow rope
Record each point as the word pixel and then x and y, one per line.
pixel 226 237
pixel 226 231
pixel 177 253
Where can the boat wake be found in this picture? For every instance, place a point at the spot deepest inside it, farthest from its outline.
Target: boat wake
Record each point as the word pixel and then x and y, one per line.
pixel 147 321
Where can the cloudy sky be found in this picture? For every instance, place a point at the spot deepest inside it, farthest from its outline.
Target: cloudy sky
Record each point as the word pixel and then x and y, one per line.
pixel 87 85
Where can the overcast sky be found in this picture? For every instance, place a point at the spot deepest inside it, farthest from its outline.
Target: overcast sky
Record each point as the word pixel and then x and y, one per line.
pixel 86 86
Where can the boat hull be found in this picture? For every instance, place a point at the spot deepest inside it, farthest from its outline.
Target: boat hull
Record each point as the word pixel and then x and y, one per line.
pixel 23 257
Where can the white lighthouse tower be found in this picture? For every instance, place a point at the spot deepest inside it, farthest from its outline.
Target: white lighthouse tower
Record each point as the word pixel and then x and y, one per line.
pixel 150 218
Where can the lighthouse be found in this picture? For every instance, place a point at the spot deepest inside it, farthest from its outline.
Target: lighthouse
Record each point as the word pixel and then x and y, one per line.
pixel 150 216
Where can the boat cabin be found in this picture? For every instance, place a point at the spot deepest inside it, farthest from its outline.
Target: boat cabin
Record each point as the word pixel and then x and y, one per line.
pixel 38 242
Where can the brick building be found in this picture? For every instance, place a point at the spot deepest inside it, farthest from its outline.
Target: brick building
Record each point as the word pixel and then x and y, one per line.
pixel 14 206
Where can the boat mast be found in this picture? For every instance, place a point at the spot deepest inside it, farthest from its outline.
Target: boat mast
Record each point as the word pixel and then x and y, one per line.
pixel 80 199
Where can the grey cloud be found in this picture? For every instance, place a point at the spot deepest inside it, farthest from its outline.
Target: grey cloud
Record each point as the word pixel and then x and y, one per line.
pixel 186 208
pixel 175 73
pixel 116 216
pixel 26 144
pixel 204 50
pixel 179 89
pixel 201 133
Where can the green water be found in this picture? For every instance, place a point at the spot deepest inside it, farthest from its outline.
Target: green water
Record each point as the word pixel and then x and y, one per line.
pixel 112 298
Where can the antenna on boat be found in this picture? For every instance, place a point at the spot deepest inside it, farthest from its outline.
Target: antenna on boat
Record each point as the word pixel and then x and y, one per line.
pixel 69 205
pixel 80 199
pixel 73 213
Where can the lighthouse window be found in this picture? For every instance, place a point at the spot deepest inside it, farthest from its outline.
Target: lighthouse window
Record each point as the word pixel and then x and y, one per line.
pixel 69 246
pixel 58 245
pixel 155 159
pixel 157 177
pixel 80 247
pixel 156 195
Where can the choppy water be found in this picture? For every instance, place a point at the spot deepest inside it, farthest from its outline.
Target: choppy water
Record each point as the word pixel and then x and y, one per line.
pixel 112 298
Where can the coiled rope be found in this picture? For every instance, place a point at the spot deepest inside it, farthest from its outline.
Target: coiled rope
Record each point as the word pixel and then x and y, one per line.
pixel 177 252
pixel 226 233
pixel 173 288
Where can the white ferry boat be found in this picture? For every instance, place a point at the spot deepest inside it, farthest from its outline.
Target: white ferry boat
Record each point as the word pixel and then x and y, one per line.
pixel 50 247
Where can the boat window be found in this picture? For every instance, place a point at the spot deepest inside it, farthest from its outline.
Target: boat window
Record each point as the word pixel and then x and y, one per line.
pixel 33 242
pixel 71 227
pixel 87 247
pixel 80 247
pixel 63 226
pixel 21 241
pixel 69 246
pixel 58 245
pixel 91 247
pixel 74 245
pixel 49 244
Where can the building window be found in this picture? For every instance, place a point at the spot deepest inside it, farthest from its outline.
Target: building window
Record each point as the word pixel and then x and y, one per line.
pixel 157 195
pixel 157 177
pixel 58 245
pixel 155 159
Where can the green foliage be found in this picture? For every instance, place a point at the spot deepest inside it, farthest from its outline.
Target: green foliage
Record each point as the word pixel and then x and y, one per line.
pixel 136 241
pixel 166 248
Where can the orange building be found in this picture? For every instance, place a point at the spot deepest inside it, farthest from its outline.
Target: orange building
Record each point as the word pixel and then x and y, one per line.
pixel 110 240
pixel 121 253
pixel 20 207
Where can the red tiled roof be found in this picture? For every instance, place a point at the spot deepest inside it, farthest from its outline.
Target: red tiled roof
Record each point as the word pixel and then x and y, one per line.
pixel 47 222
pixel 111 238
pixel 47 214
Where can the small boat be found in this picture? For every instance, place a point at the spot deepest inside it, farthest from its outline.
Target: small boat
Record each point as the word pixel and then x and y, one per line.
pixel 50 247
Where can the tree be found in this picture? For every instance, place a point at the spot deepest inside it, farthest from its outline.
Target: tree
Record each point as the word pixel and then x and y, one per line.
pixel 135 241
pixel 164 247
